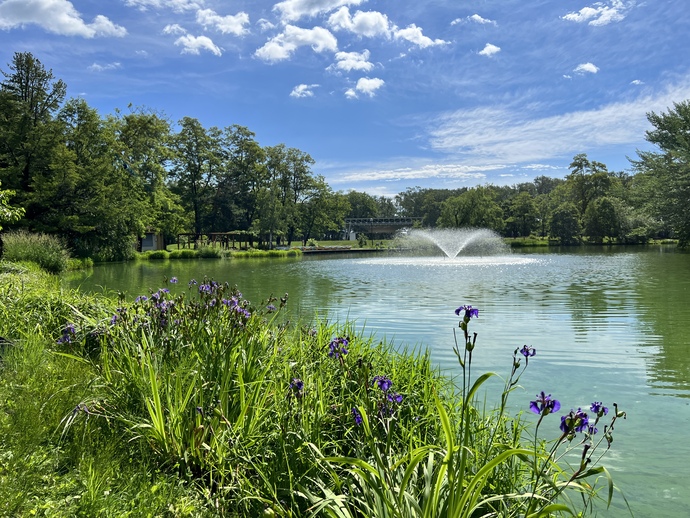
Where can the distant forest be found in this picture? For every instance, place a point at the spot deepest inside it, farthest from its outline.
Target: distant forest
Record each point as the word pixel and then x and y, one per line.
pixel 101 182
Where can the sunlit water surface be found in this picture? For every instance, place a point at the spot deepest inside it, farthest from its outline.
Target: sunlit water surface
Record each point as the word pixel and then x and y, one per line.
pixel 608 325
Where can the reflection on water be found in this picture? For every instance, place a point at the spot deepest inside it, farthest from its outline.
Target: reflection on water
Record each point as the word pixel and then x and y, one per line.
pixel 608 325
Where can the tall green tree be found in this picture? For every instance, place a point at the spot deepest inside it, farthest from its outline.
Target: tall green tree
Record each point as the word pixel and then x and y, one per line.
pixel 244 175
pixel 29 99
pixel 589 180
pixel 667 171
pixel 143 143
pixel 564 224
pixel 602 220
pixel 475 208
pixel 196 166
pixel 86 194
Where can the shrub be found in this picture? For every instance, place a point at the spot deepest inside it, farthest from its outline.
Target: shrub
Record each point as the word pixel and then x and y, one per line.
pixel 43 249
pixel 157 255
pixel 184 253
pixel 209 252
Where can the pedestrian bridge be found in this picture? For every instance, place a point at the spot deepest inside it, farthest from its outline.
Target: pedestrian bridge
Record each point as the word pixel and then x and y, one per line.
pixel 379 225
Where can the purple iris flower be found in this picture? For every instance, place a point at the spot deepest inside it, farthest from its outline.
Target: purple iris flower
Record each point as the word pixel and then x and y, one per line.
pixel 544 404
pixel 575 422
pixel 297 387
pixel 528 351
pixel 383 382
pixel 173 280
pixel 338 347
pixel 394 397
pixel 599 409
pixel 357 416
pixel 470 312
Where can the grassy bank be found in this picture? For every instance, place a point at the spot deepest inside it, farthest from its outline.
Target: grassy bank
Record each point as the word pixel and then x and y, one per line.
pixel 208 405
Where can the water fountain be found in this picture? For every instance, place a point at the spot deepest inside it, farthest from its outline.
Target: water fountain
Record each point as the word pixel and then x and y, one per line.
pixel 453 241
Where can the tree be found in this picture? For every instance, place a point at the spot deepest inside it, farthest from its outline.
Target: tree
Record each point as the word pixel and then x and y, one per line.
pixel 668 170
pixel 195 167
pixel 589 180
pixel 565 224
pixel 523 214
pixel 362 205
pixel 143 143
pixel 86 195
pixel 29 99
pixel 474 208
pixel 601 220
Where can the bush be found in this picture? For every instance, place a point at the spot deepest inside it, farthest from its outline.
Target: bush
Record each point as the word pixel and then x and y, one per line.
pixel 209 252
pixel 184 253
pixel 156 255
pixel 45 250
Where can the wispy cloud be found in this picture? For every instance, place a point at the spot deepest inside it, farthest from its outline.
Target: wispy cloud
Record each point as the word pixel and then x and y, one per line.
pixel 504 135
pixel 284 44
pixel 366 86
pixel 174 28
pixel 303 90
pixel 489 50
pixel 56 16
pixel 195 44
pixel 102 68
pixel 601 13
pixel 230 24
pixel 420 171
pixel 175 5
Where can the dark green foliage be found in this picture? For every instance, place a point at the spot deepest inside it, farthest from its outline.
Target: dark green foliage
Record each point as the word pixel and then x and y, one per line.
pixel 565 224
pixel 666 173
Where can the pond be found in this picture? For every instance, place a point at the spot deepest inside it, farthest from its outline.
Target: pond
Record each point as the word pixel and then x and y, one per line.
pixel 608 324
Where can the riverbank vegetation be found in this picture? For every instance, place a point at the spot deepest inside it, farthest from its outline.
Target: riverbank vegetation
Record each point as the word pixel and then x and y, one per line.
pixel 192 401
pixel 101 183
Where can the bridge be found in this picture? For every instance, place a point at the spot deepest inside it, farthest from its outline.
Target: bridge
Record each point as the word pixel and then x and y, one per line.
pixel 372 226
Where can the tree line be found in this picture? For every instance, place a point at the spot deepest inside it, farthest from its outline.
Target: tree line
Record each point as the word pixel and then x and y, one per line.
pixel 101 182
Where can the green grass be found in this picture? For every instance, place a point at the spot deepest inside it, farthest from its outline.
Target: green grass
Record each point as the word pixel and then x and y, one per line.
pixel 43 249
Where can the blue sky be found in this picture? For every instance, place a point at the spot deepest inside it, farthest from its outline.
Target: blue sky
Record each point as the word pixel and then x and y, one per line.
pixel 383 95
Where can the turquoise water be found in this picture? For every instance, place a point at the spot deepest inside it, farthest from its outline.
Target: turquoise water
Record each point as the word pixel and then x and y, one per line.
pixel 609 325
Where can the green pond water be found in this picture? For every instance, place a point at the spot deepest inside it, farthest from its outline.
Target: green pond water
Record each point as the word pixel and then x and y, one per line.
pixel 608 324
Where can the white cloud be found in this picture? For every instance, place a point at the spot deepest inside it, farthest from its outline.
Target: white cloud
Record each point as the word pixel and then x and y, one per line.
pixel 176 5
pixel 284 44
pixel 489 50
pixel 174 29
pixel 421 171
pixel 413 34
pixel 292 10
pixel 195 44
pixel 478 19
pixel 303 91
pixel 586 68
pixel 504 135
pixel 636 82
pixel 230 24
pixel 365 86
pixel 102 68
pixel 348 61
pixel 369 24
pixel 475 18
pixel 265 25
pixel 601 13
pixel 56 16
